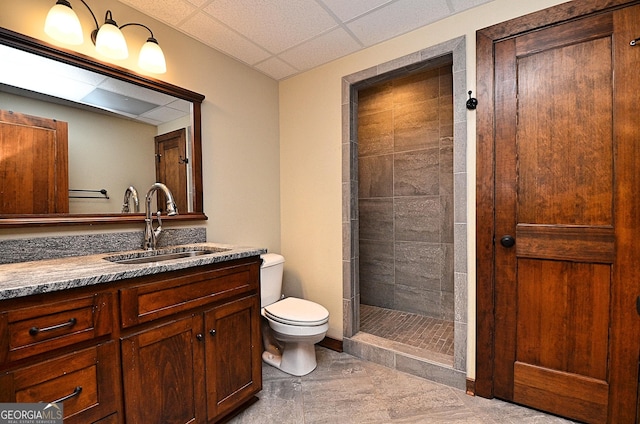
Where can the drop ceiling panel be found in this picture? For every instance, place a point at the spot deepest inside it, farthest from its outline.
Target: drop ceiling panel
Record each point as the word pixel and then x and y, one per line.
pixel 274 25
pixel 396 19
pixel 171 12
pixel 275 68
pixel 211 32
pixel 347 10
pixel 323 49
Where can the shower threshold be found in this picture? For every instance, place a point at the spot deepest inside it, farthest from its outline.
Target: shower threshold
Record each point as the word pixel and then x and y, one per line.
pixel 412 334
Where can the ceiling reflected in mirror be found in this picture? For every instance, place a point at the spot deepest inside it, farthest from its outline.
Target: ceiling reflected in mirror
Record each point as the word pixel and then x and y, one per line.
pixel 36 76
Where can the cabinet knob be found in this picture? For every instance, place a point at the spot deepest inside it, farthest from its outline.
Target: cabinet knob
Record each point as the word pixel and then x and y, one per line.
pixel 212 332
pixel 199 337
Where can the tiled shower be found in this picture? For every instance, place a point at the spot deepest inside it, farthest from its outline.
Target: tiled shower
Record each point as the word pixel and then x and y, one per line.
pixel 405 194
pixel 378 337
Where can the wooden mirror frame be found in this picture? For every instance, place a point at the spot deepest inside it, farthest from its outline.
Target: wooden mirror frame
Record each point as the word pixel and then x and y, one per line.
pixel 32 45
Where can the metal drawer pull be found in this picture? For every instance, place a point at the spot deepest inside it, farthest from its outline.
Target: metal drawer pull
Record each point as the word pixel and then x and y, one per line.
pixel 35 330
pixel 76 392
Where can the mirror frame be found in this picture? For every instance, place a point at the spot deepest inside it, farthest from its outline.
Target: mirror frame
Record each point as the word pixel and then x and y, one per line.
pixel 32 45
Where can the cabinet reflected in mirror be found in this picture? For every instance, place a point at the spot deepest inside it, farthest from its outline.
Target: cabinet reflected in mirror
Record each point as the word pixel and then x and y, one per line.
pixel 115 119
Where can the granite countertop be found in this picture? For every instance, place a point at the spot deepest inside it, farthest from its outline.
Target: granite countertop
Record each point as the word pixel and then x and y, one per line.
pixel 27 278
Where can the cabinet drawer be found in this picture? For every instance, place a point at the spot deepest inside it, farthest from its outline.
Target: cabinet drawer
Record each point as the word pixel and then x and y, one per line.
pixel 185 290
pixel 85 382
pixel 31 330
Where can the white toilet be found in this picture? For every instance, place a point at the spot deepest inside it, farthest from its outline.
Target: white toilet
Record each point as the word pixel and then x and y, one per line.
pixel 295 325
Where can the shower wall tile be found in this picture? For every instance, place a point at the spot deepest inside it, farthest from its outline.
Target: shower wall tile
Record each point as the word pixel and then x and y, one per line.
pixel 460 261
pixel 416 88
pixel 419 264
pixel 446 306
pixel 375 133
pixel 376 219
pixel 416 126
pixel 460 346
pixel 445 74
pixel 416 173
pixel 447 276
pixel 381 295
pixel 460 299
pixel 417 300
pixel 375 176
pixel 447 207
pixel 417 218
pixel 375 99
pixel 445 106
pixel 460 196
pixel 446 165
pixel 376 262
pixel 460 148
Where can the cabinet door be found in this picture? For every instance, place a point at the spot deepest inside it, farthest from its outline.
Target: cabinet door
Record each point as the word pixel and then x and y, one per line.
pixel 233 355
pixel 163 374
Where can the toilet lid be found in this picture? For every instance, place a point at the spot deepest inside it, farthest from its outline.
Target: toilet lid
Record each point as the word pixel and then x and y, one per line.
pixel 294 311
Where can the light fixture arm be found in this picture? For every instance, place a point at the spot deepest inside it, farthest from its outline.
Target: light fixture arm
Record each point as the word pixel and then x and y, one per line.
pixel 142 25
pixel 92 15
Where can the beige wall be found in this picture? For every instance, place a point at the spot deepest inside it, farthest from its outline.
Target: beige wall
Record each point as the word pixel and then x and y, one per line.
pixel 240 131
pixel 310 159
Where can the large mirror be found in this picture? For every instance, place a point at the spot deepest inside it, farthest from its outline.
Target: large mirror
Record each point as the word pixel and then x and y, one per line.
pixel 122 132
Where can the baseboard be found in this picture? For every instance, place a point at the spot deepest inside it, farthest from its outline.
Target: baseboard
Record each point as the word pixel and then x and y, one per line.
pixel 332 344
pixel 471 386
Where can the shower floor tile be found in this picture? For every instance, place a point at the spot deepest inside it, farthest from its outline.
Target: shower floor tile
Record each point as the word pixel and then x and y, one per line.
pixel 410 329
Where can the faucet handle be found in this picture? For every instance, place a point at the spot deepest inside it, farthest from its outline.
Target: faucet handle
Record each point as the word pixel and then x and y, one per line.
pixel 159 220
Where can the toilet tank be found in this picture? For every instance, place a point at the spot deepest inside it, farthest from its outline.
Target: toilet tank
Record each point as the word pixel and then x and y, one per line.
pixel 271 278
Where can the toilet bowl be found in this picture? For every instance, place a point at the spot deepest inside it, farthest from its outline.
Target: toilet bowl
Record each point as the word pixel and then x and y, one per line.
pixel 294 325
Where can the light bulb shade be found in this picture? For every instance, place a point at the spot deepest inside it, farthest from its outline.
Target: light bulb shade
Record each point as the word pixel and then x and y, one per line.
pixel 152 58
pixel 111 43
pixel 62 24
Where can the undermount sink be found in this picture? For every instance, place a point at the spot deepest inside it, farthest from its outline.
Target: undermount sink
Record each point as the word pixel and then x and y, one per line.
pixel 161 255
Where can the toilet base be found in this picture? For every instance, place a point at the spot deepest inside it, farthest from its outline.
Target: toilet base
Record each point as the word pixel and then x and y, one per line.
pixel 297 358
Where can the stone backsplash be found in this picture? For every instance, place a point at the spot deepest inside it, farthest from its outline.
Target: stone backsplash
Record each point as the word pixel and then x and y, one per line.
pixel 40 248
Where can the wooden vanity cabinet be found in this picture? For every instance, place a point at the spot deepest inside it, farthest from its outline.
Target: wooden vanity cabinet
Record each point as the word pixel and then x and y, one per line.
pixel 83 380
pixel 233 355
pixel 59 348
pixel 175 347
pixel 196 357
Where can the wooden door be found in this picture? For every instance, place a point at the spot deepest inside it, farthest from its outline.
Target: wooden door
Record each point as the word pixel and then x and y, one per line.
pixel 567 160
pixel 171 167
pixel 233 355
pixel 33 165
pixel 163 374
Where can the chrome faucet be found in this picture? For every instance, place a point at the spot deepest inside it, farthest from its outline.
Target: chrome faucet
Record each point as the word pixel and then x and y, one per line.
pixel 151 235
pixel 130 194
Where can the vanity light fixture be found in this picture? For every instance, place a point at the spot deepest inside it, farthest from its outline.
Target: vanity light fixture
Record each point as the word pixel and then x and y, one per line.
pixel 62 24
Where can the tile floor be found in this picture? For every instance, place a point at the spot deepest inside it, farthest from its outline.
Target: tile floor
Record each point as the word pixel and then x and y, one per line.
pixel 414 330
pixel 347 390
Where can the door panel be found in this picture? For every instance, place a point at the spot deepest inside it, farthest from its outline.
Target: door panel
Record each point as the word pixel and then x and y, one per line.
pixel 171 168
pixel 34 171
pixel 564 188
